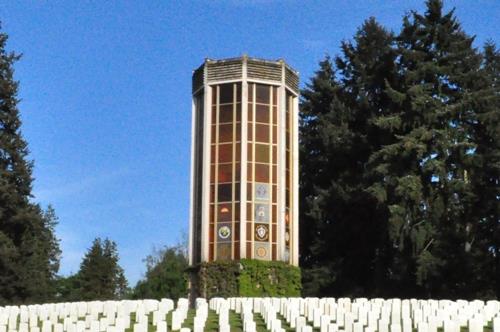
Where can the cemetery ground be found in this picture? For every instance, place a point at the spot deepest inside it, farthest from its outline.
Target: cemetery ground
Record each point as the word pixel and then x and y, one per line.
pixel 256 315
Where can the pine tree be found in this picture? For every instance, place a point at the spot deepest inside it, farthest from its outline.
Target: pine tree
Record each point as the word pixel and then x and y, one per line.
pixel 400 164
pixel 424 173
pixel 42 267
pixel 27 263
pixel 337 138
pixel 318 100
pixel 100 276
pixel 485 174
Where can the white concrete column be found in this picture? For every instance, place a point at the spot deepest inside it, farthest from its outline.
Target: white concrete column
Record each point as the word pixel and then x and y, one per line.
pixel 281 164
pixel 192 179
pixel 243 161
pixel 294 247
pixel 207 109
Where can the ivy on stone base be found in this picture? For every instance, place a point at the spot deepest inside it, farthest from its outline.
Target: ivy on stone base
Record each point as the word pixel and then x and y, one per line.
pixel 218 279
pixel 248 278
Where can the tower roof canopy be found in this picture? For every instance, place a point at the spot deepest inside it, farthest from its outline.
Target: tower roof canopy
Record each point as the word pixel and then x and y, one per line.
pixel 253 69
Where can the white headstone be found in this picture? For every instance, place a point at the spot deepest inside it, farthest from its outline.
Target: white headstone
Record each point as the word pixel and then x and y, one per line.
pixel 300 322
pixel 47 326
pixel 395 328
pixel 475 325
pixel 496 324
pixel 307 328
pixel 325 321
pixel 58 327
pixel 332 328
pixel 357 327
pixel 422 327
pixel 161 326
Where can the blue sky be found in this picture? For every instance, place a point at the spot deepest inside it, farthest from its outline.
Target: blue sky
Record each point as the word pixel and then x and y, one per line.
pixel 105 88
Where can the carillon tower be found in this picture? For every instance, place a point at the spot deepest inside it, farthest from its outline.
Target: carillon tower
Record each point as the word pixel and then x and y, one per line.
pixel 244 172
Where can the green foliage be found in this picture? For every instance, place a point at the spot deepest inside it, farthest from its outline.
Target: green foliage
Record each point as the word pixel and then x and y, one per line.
pixel 400 165
pixel 261 278
pixel 100 276
pixel 29 251
pixel 165 276
pixel 482 233
pixel 68 288
pixel 45 257
pixel 251 278
pixel 218 279
pixel 342 243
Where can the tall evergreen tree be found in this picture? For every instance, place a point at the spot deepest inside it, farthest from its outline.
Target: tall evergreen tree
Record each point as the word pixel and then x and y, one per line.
pixel 485 173
pixel 100 276
pixel 422 176
pixel 399 187
pixel 44 263
pixel 27 261
pixel 337 137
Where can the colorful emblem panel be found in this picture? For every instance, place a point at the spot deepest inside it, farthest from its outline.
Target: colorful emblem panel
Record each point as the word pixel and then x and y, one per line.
pixel 261 191
pixel 262 251
pixel 262 213
pixel 261 232
pixel 224 233
pixel 224 251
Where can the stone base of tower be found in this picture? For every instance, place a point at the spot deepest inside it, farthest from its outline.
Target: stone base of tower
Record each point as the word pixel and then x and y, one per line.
pixel 248 278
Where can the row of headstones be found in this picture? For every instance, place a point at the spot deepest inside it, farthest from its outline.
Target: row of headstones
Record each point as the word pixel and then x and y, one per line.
pixel 327 314
pixel 96 316
pixel 363 315
pixel 109 316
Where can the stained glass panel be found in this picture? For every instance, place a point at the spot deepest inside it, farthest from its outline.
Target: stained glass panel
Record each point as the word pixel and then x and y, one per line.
pixel 226 113
pixel 261 173
pixel 262 113
pixel 225 153
pixel 225 93
pixel 261 153
pixel 263 94
pixel 262 213
pixel 262 191
pixel 262 133
pixel 225 133
pixel 224 193
pixel 223 251
pixel 224 232
pixel 225 173
pixel 224 212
